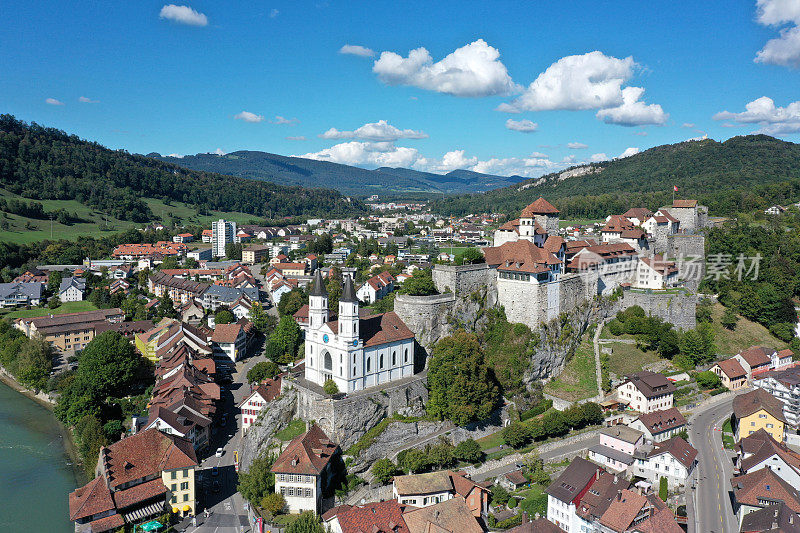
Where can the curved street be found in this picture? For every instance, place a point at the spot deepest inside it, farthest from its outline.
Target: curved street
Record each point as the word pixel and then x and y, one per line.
pixel 710 493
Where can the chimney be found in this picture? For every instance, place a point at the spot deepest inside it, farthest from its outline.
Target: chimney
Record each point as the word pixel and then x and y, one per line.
pixel 619 495
pixel 597 474
pixel 615 479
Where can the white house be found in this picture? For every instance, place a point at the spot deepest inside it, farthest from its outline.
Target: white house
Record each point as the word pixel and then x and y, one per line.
pixel 229 341
pixel 655 273
pixel 72 289
pixel 252 405
pixel 785 386
pixel 564 494
pixel 19 293
pixel 661 425
pixel 185 422
pixel 616 448
pixel 376 288
pixel 355 352
pixel 646 391
pixel 673 459
pixel 760 450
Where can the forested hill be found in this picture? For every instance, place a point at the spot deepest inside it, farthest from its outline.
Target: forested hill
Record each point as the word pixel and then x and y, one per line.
pixel 740 174
pixel 48 164
pixel 344 178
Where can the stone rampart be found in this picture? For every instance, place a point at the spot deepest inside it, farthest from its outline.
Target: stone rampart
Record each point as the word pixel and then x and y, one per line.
pixel 677 308
pixel 426 316
pixel 462 279
pixel 689 253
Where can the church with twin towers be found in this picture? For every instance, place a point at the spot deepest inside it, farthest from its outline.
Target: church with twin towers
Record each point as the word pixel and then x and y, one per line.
pixel 353 348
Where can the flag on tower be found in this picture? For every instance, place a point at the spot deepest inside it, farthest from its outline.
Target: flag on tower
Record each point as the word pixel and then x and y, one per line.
pixel 675 188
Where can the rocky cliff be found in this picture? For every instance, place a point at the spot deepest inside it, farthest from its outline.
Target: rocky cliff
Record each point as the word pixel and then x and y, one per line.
pixel 259 437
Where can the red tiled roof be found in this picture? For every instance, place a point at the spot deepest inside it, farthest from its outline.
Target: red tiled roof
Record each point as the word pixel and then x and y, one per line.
pixel 520 256
pixel 764 484
pixel 757 355
pixel 309 454
pixel 662 420
pixel 751 402
pixel 139 493
pixel 657 263
pixel 681 450
pixel 145 454
pixel 539 207
pixel 620 514
pixel 684 203
pixel 732 368
pixel 511 225
pixel 91 499
pixel 385 517
pixel 226 333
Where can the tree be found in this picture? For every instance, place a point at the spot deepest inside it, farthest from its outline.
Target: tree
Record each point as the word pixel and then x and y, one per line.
pixel 383 470
pixel 113 429
pixel 334 287
pixel 441 454
pixel 663 488
pixel 107 364
pixel 512 503
pixel 592 413
pixel 729 319
pixel 330 387
pixel 90 438
pixel 707 380
pixel 262 321
pixel 413 460
pixel 273 503
pixel 258 481
pixel 54 302
pixel 291 302
pixel 34 363
pixel 166 308
pixel 306 522
pixel 468 451
pixel 54 281
pixel 233 250
pixel 554 424
pixel 500 495
pixel 261 371
pixel 470 256
pixel 223 315
pixel 463 388
pixel 286 337
pixel 515 435
pixel 420 284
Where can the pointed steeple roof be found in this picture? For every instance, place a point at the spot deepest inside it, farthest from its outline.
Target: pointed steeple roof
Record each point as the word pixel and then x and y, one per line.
pixel 348 292
pixel 319 285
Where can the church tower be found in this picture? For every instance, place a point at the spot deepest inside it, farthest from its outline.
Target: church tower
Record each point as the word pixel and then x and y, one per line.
pixel 317 303
pixel 348 312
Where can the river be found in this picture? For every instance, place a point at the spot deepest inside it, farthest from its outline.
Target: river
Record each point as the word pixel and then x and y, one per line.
pixel 35 472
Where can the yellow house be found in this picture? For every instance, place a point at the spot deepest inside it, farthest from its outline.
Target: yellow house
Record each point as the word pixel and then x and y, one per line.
pixel 180 484
pixel 147 343
pixel 756 410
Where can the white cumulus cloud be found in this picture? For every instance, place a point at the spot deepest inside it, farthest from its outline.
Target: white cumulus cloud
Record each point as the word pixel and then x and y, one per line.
pixel 688 125
pixel 366 153
pixel 628 152
pixel 284 121
pixel 589 81
pixel 596 158
pixel 525 126
pixel 785 49
pixel 85 100
pixel 773 120
pixel 53 101
pixel 219 151
pixel 633 112
pixel 247 116
pixel 375 131
pixel 473 70
pixel 356 50
pixel 183 15
pixel 577 146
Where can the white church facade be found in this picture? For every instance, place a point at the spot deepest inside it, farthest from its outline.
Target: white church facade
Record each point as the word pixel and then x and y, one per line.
pixel 356 352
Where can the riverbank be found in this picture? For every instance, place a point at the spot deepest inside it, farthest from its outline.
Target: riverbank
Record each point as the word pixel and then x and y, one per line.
pixel 44 400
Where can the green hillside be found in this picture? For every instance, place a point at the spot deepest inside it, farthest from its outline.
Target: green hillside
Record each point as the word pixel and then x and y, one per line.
pixel 45 164
pixel 740 174
pixel 346 179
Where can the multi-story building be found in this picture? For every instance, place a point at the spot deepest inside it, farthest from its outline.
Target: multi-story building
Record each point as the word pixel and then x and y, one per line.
pixel 180 290
pixel 760 489
pixel 760 450
pixel 731 373
pixel 229 341
pixel 646 391
pixel 756 410
pixel 376 288
pixel 252 404
pixel 222 233
pixel 304 470
pixel 355 352
pixel 617 446
pixel 70 331
pixel 785 386
pixel 655 273
pixel 673 459
pixel 254 254
pixel 72 289
pixel 566 492
pixel 759 359
pixel 423 490
pixel 20 293
pixel 141 476
pixel 661 425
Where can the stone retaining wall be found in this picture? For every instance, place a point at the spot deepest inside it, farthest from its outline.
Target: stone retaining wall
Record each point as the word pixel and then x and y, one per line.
pixel 679 309
pixel 426 316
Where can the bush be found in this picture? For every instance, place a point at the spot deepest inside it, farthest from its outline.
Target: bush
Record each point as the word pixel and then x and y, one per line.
pixel 330 387
pixel 616 328
pixel 663 489
pixel 512 503
pixel 261 371
pixel 536 411
pixel 515 435
pixel 468 451
pixel 500 495
pixel 383 470
pixel 273 503
pixel 707 380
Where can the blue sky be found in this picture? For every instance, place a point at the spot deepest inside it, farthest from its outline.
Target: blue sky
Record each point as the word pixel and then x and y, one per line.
pixel 610 79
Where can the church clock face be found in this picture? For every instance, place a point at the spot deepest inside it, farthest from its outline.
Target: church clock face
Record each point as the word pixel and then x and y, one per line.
pixel 325 338
pixel 355 342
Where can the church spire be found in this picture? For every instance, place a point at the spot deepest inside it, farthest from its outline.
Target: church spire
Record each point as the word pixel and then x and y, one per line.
pixel 319 285
pixel 348 292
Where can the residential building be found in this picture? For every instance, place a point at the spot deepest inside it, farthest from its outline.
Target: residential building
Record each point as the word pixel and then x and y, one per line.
pixel 252 404
pixel 760 450
pixel 183 238
pixel 785 386
pixel 756 410
pixel 180 290
pixel 153 252
pixel 229 341
pixel 355 352
pixel 70 331
pixel 168 335
pixel 731 373
pixel 638 511
pixel 215 296
pixel 759 489
pixel 376 288
pixel 758 359
pixel 138 478
pixel 655 273
pixel 304 470
pixel 291 269
pixel 20 294
pixel 422 490
pixel 674 459
pixel 617 446
pixel 384 516
pixel 222 232
pixel 201 254
pixel 661 425
pixel 565 493
pixel 254 254
pixel 184 422
pixel 513 480
pixel 72 289
pixel 646 391
pixel 776 518
pixel 447 516
pixel 596 500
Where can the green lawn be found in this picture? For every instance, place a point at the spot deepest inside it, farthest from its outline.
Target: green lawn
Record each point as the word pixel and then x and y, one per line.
pixel 579 378
pixel 295 428
pixel 96 222
pixel 66 307
pixel 533 500
pixel 627 358
pixel 746 334
pixel 490 441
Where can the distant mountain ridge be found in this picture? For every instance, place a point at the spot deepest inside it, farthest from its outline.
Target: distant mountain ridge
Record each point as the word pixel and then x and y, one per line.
pixel 286 170
pixel 740 174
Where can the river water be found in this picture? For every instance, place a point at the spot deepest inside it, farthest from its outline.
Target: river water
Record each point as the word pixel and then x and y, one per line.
pixel 35 472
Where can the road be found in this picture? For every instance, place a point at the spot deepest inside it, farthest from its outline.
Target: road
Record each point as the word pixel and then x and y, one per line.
pixel 711 499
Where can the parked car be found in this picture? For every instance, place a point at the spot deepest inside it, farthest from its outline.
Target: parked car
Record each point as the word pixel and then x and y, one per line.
pixel 215 471
pixel 219 453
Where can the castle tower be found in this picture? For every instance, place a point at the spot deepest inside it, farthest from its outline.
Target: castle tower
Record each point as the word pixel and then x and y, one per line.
pixel 348 312
pixel 317 303
pixel 540 212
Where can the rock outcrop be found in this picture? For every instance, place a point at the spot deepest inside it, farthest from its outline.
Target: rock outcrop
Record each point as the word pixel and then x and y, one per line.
pixel 259 437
